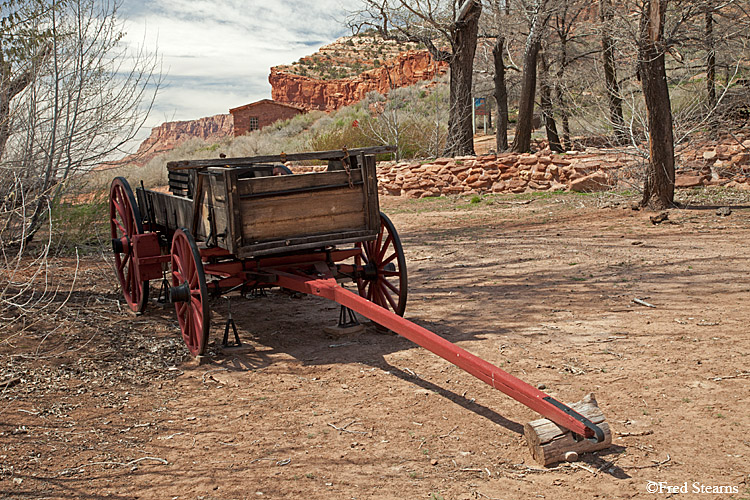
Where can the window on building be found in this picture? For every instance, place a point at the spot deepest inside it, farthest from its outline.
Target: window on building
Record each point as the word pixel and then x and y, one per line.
pixel 253 123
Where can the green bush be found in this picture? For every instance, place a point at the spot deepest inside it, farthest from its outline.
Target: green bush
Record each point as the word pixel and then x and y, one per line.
pixel 81 225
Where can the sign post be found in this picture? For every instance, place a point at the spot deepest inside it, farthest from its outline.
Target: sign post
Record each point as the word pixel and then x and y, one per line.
pixel 480 108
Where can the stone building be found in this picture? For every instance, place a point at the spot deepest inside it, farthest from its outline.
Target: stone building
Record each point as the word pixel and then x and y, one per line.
pixel 259 114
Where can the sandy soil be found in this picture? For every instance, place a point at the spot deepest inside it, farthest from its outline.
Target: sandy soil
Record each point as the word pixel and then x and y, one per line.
pixel 111 405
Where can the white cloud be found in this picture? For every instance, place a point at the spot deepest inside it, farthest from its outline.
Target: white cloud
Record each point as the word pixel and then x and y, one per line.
pixel 218 54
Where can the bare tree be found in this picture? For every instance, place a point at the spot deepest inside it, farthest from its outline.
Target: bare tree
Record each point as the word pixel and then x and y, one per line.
pixel 436 24
pixel 614 98
pixel 501 95
pixel 658 189
pixel 538 16
pixel 84 98
pixel 710 53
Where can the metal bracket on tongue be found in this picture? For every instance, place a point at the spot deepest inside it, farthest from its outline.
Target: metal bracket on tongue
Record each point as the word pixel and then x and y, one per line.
pixel 585 421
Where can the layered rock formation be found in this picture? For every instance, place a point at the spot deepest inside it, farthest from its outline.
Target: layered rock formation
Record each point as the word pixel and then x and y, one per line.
pixel 168 135
pixel 406 69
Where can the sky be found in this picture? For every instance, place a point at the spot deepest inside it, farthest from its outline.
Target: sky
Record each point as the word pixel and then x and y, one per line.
pixel 217 54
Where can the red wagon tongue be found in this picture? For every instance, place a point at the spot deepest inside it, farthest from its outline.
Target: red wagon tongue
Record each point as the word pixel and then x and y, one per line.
pixel 583 433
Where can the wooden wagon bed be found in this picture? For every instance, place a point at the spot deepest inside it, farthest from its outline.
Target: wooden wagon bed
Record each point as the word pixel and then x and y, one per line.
pixel 239 205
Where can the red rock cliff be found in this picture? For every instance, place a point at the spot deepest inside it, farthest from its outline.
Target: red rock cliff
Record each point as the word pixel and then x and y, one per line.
pixel 327 95
pixel 168 135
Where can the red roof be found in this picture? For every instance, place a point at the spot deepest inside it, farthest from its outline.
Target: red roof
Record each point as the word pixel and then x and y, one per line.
pixel 266 101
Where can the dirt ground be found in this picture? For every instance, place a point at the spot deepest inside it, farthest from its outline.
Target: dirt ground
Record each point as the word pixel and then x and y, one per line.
pixel 111 406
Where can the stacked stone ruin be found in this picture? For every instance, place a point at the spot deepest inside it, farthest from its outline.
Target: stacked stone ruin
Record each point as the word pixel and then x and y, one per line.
pixel 514 173
pixel 726 164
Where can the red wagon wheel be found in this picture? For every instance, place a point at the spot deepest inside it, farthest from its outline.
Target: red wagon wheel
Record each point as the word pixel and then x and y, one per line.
pixel 125 222
pixel 384 280
pixel 189 293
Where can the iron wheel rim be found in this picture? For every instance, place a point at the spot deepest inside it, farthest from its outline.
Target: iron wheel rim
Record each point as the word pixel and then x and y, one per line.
pixel 193 316
pixel 125 222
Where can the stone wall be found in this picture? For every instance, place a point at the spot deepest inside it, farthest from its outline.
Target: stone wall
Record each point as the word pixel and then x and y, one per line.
pixel 514 173
pixel 727 163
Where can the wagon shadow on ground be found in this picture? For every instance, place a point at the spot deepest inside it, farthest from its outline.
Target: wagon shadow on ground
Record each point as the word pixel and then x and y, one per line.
pixel 266 345
pixel 370 349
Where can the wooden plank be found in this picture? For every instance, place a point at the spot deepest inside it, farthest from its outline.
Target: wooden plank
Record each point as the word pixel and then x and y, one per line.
pixel 305 243
pixel 287 229
pixel 302 213
pixel 300 206
pixel 198 203
pixel 312 180
pixel 234 235
pixel 335 154
pixel 171 211
pixel 372 202
pixel 217 194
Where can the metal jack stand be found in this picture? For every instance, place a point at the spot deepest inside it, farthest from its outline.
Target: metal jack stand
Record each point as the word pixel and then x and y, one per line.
pixel 164 290
pixel 347 318
pixel 230 322
pixel 348 325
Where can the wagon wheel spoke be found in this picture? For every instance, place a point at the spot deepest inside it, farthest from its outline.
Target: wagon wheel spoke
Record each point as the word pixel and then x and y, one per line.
pixel 388 260
pixel 123 262
pixel 391 286
pixel 119 226
pixel 389 298
pixel 379 240
pixel 391 273
pixel 120 209
pixel 385 299
pixel 375 295
pixel 132 277
pixel 198 319
pixel 178 275
pixel 369 251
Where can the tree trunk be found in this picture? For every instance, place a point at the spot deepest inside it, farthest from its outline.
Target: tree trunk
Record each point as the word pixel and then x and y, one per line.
pixel 522 140
pixel 460 140
pixel 566 142
pixel 610 74
pixel 546 101
pixel 658 188
pixel 501 95
pixel 560 93
pixel 710 56
pixel 4 110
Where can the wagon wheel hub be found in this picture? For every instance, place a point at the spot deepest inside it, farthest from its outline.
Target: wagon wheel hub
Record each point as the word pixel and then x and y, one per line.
pixel 180 293
pixel 121 245
pixel 370 271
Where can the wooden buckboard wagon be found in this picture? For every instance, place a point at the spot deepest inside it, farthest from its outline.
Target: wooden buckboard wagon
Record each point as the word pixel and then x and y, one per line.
pixel 245 224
